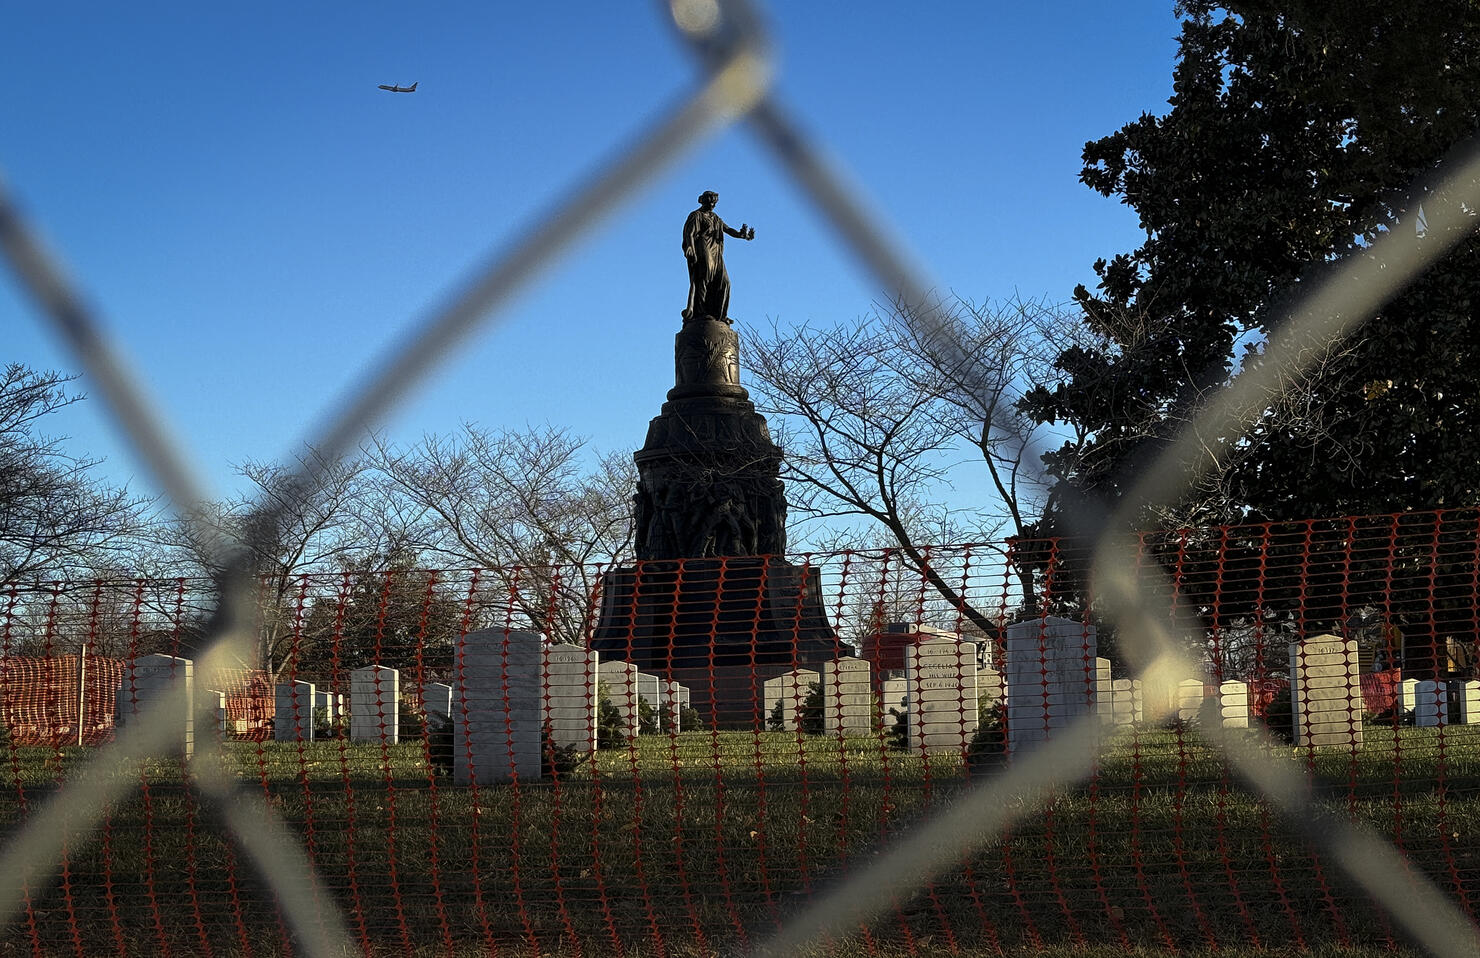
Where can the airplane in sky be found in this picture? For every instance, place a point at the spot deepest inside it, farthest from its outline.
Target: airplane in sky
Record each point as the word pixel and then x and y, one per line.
pixel 399 89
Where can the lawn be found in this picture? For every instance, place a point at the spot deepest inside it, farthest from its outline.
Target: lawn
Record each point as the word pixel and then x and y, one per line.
pixel 693 843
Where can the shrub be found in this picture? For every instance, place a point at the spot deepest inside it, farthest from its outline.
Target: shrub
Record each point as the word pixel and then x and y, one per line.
pixel 689 719
pixel 324 728
pixel 809 712
pixel 412 723
pixel 896 730
pixel 611 729
pixel 776 721
pixel 439 744
pixel 1394 716
pixel 1279 716
pixel 809 715
pixel 558 761
pixel 988 747
pixel 647 719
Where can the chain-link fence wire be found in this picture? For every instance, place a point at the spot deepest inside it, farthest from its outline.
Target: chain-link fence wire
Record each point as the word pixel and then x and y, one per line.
pixel 728 41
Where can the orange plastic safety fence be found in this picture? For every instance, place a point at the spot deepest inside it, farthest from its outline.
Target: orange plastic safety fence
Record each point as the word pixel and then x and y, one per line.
pixel 664 757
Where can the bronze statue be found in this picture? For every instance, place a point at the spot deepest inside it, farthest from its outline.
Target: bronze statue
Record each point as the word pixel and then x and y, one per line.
pixel 704 248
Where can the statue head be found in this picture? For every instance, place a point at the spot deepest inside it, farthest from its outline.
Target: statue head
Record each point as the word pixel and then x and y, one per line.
pixel 708 199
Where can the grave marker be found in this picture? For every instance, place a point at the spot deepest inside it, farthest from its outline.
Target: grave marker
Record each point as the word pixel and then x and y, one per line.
pixel 940 678
pixel 990 686
pixel 1326 692
pixel 1466 695
pixel 223 721
pixel 1051 677
pixel 1431 707
pixel 163 680
pixel 673 700
pixel 619 685
pixel 1233 704
pixel 375 705
pixel 293 712
pixel 496 707
pixel 1126 705
pixel 847 697
pixel 1104 691
pixel 1408 695
pixel 647 690
pixel 436 699
pixel 1189 699
pixel 570 696
pixel 331 702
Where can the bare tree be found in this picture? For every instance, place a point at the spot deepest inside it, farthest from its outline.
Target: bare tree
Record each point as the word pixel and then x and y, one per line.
pixel 57 520
pixel 530 506
pixel 879 416
pixel 339 523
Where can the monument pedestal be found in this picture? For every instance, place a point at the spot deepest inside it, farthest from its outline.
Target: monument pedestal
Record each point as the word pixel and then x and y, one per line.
pixel 718 626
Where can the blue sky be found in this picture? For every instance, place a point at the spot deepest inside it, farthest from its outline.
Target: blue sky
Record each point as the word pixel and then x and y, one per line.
pixel 258 223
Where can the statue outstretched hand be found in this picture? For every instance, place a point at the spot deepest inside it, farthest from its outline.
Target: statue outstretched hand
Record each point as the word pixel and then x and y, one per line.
pixel 746 232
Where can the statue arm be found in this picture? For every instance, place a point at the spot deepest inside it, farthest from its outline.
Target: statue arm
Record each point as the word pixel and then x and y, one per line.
pixel 744 232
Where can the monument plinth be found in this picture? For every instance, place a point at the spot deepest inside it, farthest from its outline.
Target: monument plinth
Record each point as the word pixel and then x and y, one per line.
pixel 711 602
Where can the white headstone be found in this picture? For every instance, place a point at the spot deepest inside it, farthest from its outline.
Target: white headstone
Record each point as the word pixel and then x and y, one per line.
pixel 496 707
pixel 223 719
pixel 158 680
pixel 375 705
pixel 436 699
pixel 895 695
pixel 1466 701
pixel 1408 695
pixel 1189 699
pixel 940 678
pixel 1051 677
pixel 991 687
pixel 1325 691
pixel 789 691
pixel 1104 693
pixel 1233 703
pixel 1159 694
pixel 1431 707
pixel 672 694
pixel 293 712
pixel 619 685
pixel 647 690
pixel 1126 705
pixel 847 697
pixel 570 696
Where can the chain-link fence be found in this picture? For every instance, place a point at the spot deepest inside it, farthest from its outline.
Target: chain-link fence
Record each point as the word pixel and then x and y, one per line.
pixel 1325 848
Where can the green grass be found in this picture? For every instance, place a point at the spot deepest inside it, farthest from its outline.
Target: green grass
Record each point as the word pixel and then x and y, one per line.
pixel 691 843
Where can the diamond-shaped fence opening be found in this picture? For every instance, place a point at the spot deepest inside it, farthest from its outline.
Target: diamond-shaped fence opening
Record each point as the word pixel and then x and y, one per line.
pixel 442 763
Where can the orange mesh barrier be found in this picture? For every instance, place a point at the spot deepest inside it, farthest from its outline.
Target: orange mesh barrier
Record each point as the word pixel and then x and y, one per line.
pixel 673 757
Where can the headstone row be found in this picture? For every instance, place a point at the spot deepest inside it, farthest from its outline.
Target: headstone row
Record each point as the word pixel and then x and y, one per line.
pixel 510 689
pixel 1435 702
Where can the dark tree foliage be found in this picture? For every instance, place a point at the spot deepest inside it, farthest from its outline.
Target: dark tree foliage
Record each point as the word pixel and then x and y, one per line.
pixel 384 611
pixel 1296 133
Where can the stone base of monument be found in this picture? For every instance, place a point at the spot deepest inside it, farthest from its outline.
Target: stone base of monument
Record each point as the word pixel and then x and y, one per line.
pixel 721 627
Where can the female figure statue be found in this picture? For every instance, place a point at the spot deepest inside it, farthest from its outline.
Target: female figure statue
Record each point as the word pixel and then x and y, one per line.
pixel 704 248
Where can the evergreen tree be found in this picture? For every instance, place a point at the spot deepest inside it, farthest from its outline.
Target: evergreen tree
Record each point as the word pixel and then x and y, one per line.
pixel 1295 131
